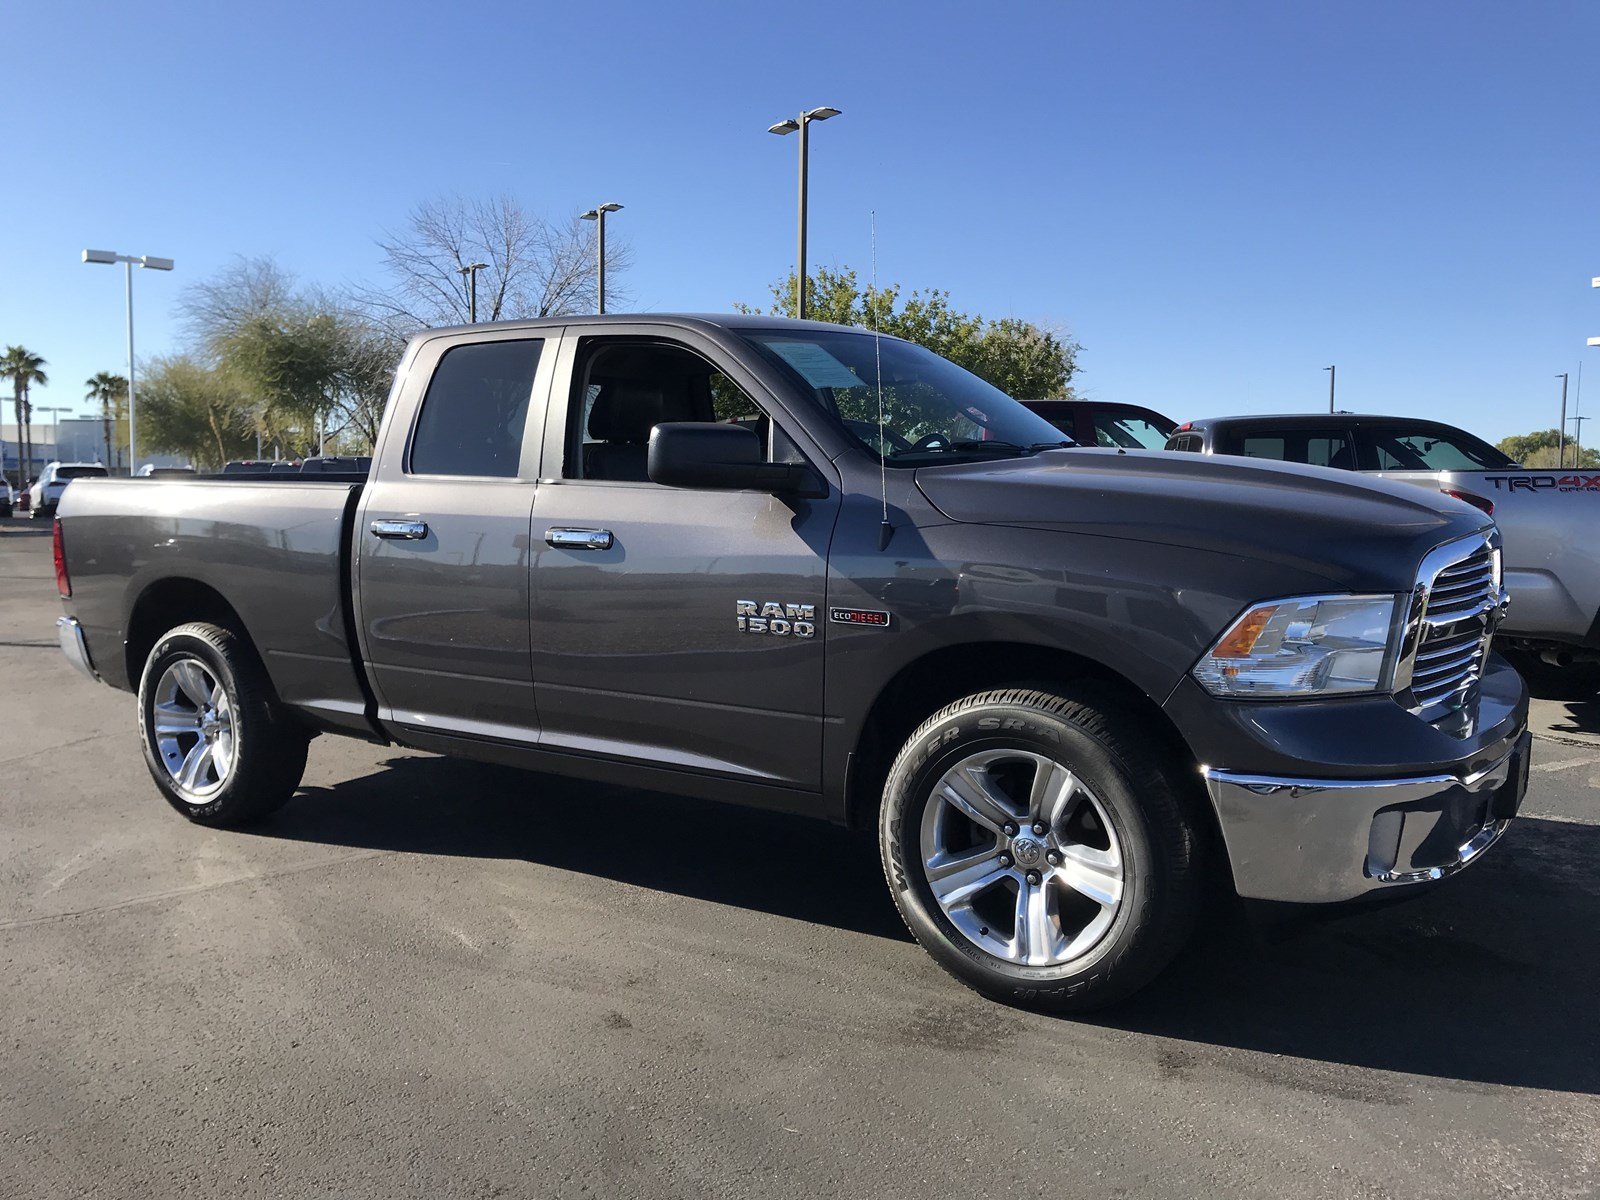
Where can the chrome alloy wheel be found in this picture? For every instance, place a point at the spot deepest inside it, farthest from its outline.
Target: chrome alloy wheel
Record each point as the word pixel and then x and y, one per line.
pixel 1021 857
pixel 192 724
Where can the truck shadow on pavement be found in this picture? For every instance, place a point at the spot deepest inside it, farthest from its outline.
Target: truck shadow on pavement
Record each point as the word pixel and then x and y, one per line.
pixel 1491 978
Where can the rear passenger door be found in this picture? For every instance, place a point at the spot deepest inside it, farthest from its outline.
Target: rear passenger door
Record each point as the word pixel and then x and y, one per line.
pixel 443 555
pixel 639 652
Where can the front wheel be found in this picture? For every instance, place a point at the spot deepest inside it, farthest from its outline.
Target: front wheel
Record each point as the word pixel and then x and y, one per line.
pixel 1039 847
pixel 214 739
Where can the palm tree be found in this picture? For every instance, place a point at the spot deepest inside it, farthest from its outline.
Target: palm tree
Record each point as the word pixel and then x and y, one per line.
pixel 107 389
pixel 24 368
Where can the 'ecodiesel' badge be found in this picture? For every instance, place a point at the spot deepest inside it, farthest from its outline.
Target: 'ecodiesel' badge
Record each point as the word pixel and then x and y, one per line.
pixel 778 620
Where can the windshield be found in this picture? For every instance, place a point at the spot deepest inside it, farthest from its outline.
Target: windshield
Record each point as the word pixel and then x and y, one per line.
pixel 79 472
pixel 932 409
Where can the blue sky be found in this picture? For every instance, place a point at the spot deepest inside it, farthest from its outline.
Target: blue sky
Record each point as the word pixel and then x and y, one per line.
pixel 1217 200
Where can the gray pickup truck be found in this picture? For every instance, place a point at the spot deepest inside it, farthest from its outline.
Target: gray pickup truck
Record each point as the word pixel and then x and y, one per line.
pixel 793 565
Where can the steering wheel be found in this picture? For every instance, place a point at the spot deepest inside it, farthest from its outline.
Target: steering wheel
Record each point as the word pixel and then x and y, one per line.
pixel 929 440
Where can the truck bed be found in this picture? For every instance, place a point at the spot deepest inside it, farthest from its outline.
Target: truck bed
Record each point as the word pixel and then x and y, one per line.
pixel 274 550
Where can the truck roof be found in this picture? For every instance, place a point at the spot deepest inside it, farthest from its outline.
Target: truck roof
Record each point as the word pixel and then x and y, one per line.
pixel 700 321
pixel 1293 419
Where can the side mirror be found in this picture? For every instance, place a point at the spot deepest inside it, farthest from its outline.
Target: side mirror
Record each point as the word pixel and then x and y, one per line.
pixel 698 454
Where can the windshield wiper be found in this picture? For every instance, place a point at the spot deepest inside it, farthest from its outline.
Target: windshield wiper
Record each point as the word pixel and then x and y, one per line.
pixel 997 444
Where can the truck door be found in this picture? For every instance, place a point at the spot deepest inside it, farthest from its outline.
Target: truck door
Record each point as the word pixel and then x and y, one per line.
pixel 443 555
pixel 671 626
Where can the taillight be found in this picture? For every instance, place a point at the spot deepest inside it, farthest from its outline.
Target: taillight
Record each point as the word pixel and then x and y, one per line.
pixel 63 584
pixel 1471 498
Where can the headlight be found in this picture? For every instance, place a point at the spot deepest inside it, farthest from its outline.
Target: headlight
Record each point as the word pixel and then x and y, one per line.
pixel 1307 646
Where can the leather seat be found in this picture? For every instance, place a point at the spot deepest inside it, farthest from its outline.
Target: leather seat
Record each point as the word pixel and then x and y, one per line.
pixel 623 415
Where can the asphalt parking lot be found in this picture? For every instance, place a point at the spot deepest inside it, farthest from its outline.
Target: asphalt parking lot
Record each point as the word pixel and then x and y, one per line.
pixel 429 978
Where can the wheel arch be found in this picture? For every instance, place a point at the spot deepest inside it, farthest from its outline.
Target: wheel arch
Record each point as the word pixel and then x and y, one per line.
pixel 926 684
pixel 172 601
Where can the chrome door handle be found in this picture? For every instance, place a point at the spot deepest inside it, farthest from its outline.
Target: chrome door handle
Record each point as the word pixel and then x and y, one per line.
pixel 579 539
pixel 411 531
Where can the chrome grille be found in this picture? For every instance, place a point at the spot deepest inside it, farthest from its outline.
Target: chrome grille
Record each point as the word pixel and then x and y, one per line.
pixel 1456 609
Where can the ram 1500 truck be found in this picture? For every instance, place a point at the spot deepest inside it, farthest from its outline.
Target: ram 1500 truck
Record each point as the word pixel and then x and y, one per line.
pixel 794 565
pixel 1551 632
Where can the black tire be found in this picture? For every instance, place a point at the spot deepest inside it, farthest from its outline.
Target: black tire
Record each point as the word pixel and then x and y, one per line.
pixel 1547 681
pixel 1140 795
pixel 266 750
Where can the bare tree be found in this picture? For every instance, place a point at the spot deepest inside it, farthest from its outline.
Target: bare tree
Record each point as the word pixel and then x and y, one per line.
pixel 216 308
pixel 535 267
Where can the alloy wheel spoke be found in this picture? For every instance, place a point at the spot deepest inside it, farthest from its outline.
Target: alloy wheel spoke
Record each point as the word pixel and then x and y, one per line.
pixel 970 790
pixel 174 718
pixel 191 680
pixel 1096 873
pixel 1050 798
pixel 191 773
pixel 957 880
pixel 1035 939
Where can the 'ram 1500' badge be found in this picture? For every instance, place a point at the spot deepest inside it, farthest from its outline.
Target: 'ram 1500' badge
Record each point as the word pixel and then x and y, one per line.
pixel 779 620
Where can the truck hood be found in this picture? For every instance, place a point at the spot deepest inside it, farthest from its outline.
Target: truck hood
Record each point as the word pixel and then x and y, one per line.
pixel 1354 531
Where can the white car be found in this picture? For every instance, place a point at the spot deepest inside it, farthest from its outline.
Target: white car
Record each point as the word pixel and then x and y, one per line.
pixel 6 498
pixel 53 481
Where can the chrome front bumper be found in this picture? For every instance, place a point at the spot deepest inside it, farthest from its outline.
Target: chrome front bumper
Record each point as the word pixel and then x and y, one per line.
pixel 1317 840
pixel 70 635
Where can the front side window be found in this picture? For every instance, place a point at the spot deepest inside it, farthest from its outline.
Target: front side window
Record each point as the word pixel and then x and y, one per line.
pixel 475 410
pixel 1430 450
pixel 624 388
pixel 1314 447
pixel 932 410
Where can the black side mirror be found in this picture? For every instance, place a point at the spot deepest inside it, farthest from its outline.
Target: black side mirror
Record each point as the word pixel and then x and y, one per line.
pixel 698 454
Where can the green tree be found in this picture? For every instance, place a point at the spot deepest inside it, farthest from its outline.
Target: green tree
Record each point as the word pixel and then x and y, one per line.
pixel 1541 449
pixel 110 392
pixel 24 368
pixel 312 362
pixel 199 411
pixel 1018 357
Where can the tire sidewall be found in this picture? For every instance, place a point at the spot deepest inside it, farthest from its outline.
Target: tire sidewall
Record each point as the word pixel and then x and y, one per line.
pixel 909 791
pixel 168 650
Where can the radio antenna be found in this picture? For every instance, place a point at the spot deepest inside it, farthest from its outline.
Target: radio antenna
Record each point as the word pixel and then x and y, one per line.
pixel 885 530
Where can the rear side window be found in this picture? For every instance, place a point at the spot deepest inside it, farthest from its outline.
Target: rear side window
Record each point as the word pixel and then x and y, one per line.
pixel 1314 447
pixel 475 410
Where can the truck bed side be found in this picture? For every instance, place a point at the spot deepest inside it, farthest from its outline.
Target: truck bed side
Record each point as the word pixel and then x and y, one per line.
pixel 1552 563
pixel 145 555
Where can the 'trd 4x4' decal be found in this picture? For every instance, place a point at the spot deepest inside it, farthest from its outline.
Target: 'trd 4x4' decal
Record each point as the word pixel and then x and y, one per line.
pixel 1545 483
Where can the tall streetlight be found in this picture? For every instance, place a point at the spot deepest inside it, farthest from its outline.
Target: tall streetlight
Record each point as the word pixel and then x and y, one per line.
pixel 1333 374
pixel 55 426
pixel 598 215
pixel 471 272
pixel 786 127
pixel 1561 429
pixel 109 257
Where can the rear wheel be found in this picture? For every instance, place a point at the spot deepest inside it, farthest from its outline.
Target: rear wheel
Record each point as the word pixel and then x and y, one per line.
pixel 1039 847
pixel 215 742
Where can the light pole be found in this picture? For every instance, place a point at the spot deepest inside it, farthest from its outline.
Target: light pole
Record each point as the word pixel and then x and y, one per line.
pixel 1561 429
pixel 792 125
pixel 597 214
pixel 1333 374
pixel 109 257
pixel 471 272
pixel 55 427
